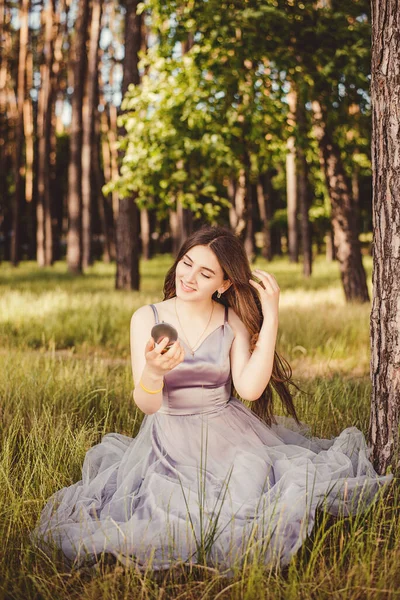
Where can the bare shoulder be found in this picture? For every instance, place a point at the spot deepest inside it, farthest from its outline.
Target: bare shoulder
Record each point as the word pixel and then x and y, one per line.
pixel 144 314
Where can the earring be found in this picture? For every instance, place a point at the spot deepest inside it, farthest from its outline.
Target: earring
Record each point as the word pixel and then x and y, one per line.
pixel 219 295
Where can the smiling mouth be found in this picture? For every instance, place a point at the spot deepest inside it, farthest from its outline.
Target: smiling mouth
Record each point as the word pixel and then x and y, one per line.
pixel 186 287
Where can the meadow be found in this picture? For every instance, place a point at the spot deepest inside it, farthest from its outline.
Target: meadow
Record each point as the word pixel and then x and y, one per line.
pixel 66 381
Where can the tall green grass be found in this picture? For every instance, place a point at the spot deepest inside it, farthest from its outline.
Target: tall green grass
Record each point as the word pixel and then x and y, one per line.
pixel 51 310
pixel 66 381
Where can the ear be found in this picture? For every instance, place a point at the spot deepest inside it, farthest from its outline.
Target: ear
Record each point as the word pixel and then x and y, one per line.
pixel 225 286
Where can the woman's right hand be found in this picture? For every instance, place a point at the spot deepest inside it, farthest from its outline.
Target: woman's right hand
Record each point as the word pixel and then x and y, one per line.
pixel 159 363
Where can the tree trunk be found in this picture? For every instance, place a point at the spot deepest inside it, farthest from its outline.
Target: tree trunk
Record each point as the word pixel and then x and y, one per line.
pixel 303 197
pixel 127 244
pixel 127 234
pixel 90 110
pixel 145 233
pixel 303 187
pixel 29 130
pixel 231 193
pixel 4 121
pixel 347 245
pixel 240 203
pixel 74 238
pixel 19 134
pixel 385 314
pixel 330 246
pixel 249 236
pixel 44 235
pixel 99 182
pixel 112 140
pixel 291 182
pixel 174 228
pixel 264 202
pixel 29 133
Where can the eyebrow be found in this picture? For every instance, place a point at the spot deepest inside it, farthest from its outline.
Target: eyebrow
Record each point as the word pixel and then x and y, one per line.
pixel 205 268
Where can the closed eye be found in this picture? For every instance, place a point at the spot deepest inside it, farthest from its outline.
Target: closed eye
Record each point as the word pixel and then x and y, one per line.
pixel 189 265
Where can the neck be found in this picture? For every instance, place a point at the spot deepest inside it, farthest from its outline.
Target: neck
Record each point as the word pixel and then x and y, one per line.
pixel 189 310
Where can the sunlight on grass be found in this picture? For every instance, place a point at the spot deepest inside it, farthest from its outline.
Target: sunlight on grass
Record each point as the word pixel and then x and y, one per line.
pixel 54 406
pixel 44 310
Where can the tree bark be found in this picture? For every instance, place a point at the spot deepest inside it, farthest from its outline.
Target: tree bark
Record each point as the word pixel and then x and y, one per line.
pixel 111 200
pixel 347 245
pixel 330 246
pixel 385 314
pixel 74 237
pixel 90 110
pixel 264 207
pixel 291 181
pixel 240 204
pixel 4 121
pixel 44 234
pixel 145 233
pixel 127 234
pixel 99 182
pixel 303 194
pixel 249 232
pixel 19 134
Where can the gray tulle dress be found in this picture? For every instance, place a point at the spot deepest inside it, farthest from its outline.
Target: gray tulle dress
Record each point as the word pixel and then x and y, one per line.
pixel 205 480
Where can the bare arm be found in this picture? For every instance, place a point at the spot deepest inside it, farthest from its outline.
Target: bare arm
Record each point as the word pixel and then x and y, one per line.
pixel 148 364
pixel 252 372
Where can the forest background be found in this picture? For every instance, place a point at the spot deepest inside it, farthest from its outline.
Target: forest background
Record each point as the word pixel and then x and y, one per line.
pixel 256 115
pixel 123 127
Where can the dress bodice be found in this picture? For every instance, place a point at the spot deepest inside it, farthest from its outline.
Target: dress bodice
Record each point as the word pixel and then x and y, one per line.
pixel 202 382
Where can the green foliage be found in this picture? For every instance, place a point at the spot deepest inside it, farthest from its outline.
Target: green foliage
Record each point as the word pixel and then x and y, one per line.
pixel 201 117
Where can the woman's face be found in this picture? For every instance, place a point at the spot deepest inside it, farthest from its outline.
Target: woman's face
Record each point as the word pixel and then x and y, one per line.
pixel 198 274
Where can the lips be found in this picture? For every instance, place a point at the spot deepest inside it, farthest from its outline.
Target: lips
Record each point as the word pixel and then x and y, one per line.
pixel 186 288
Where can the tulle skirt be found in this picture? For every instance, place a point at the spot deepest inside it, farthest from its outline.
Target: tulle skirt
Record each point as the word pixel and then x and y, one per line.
pixel 207 488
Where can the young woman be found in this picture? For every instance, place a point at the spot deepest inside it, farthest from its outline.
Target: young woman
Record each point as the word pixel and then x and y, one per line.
pixel 208 479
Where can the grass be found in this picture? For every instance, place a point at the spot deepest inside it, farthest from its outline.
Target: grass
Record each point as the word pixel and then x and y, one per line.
pixel 66 381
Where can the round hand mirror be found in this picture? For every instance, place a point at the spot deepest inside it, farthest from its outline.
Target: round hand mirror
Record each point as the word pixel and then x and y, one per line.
pixel 161 330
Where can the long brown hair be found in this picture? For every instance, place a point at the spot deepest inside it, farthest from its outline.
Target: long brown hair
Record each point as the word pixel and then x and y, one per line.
pixel 244 300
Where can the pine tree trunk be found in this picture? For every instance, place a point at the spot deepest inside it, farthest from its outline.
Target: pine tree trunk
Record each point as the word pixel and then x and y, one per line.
pixel 240 203
pixel 174 232
pixel 145 233
pixel 29 130
pixel 249 236
pixel 19 133
pixel 74 238
pixel 264 201
pixel 291 182
pixel 303 188
pixel 29 133
pixel 330 246
pixel 385 314
pixel 44 234
pixel 127 234
pixel 88 131
pixel 110 169
pixel 4 121
pixel 231 193
pixel 99 182
pixel 347 245
pixel 248 216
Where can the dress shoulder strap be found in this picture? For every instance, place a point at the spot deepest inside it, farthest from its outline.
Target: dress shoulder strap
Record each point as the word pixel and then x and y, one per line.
pixel 155 313
pixel 226 314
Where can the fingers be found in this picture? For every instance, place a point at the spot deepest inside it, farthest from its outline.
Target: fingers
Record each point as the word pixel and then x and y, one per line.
pixel 174 352
pixel 161 345
pixel 268 281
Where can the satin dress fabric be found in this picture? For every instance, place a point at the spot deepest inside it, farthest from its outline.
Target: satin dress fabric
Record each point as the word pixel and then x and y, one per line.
pixel 205 480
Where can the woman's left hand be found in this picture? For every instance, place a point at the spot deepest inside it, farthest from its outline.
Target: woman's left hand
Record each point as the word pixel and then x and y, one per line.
pixel 269 291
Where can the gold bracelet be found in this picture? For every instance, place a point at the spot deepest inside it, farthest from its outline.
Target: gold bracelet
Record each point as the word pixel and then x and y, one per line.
pixel 150 391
